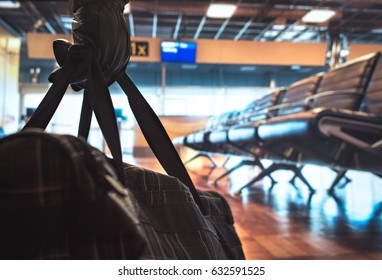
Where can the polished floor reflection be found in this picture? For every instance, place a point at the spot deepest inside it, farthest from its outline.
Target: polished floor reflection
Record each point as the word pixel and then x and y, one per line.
pixel 286 222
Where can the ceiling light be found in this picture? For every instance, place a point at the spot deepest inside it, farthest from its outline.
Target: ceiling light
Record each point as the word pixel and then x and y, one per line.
pixel 221 10
pixel 247 68
pixel 278 26
pixel 318 16
pixel 299 27
pixel 288 35
pixel 295 67
pixel 127 9
pixel 189 66
pixel 306 35
pixel 271 33
pixel 68 26
pixel 9 4
pixel 133 65
pixel 66 19
pixel 344 52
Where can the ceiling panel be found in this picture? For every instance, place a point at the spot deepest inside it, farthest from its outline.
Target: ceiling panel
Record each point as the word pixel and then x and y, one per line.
pixel 359 21
pixel 253 19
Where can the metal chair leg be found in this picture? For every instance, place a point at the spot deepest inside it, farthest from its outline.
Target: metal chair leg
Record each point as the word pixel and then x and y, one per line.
pixel 214 164
pixel 229 171
pixel 279 166
pixel 254 162
pixel 298 174
pixel 340 174
pixel 261 175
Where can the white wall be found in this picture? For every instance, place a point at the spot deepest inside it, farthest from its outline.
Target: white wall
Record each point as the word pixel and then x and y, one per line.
pixel 183 101
pixel 9 80
pixel 202 101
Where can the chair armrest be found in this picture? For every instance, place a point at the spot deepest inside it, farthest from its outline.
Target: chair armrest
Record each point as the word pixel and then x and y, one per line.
pixel 280 106
pixel 291 105
pixel 339 127
pixel 285 106
pixel 329 93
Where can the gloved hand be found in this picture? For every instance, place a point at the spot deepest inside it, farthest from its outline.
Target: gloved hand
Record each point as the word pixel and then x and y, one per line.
pixel 99 28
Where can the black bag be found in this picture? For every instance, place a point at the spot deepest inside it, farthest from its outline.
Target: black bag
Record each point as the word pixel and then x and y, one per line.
pixel 60 199
pixel 175 221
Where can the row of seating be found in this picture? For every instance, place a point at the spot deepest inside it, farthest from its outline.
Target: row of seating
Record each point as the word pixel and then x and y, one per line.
pixel 332 118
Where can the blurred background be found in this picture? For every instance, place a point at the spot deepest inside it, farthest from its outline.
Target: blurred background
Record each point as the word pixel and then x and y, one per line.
pixel 240 54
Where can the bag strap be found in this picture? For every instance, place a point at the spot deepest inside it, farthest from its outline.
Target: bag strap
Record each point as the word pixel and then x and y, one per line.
pixel 97 97
pixel 100 100
pixel 86 117
pixel 48 106
pixel 157 137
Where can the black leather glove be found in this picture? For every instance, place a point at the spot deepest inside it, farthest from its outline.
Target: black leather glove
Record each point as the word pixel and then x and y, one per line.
pixel 98 27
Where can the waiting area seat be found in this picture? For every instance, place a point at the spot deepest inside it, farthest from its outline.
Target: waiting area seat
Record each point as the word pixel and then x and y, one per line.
pixel 197 140
pixel 221 138
pixel 342 91
pixel 332 119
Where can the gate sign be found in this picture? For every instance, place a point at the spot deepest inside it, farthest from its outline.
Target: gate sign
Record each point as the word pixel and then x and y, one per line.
pixel 139 48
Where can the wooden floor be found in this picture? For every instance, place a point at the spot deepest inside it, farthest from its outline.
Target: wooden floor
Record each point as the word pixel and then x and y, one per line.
pixel 286 222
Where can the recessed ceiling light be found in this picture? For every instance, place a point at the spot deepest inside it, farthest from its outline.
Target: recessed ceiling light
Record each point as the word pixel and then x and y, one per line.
pixel 306 36
pixel 278 26
pixel 132 65
pixel 221 10
pixel 189 66
pixel 66 19
pixel 271 33
pixel 299 27
pixel 247 68
pixel 318 16
pixel 127 9
pixel 289 35
pixel 295 67
pixel 68 26
pixel 9 4
pixel 344 52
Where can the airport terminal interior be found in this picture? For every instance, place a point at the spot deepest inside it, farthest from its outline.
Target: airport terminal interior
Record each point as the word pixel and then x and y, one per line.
pixel 275 104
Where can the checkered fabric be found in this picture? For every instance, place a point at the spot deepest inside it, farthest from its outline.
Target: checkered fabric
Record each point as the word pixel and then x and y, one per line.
pixel 59 199
pixel 173 224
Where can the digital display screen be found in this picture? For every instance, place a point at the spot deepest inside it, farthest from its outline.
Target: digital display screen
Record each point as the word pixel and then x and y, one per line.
pixel 183 52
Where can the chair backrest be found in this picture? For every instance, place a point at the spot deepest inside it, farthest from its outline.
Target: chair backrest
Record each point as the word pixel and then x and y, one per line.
pixel 222 121
pixel 268 101
pixel 244 114
pixel 249 108
pixel 372 102
pixel 297 93
pixel 211 123
pixel 261 107
pixel 229 119
pixel 346 84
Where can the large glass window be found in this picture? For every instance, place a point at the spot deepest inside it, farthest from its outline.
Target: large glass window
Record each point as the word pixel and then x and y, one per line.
pixel 174 101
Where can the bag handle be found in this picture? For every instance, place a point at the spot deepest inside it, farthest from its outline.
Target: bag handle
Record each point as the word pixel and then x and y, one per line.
pixel 48 106
pixel 100 100
pixel 86 117
pixel 97 97
pixel 157 137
